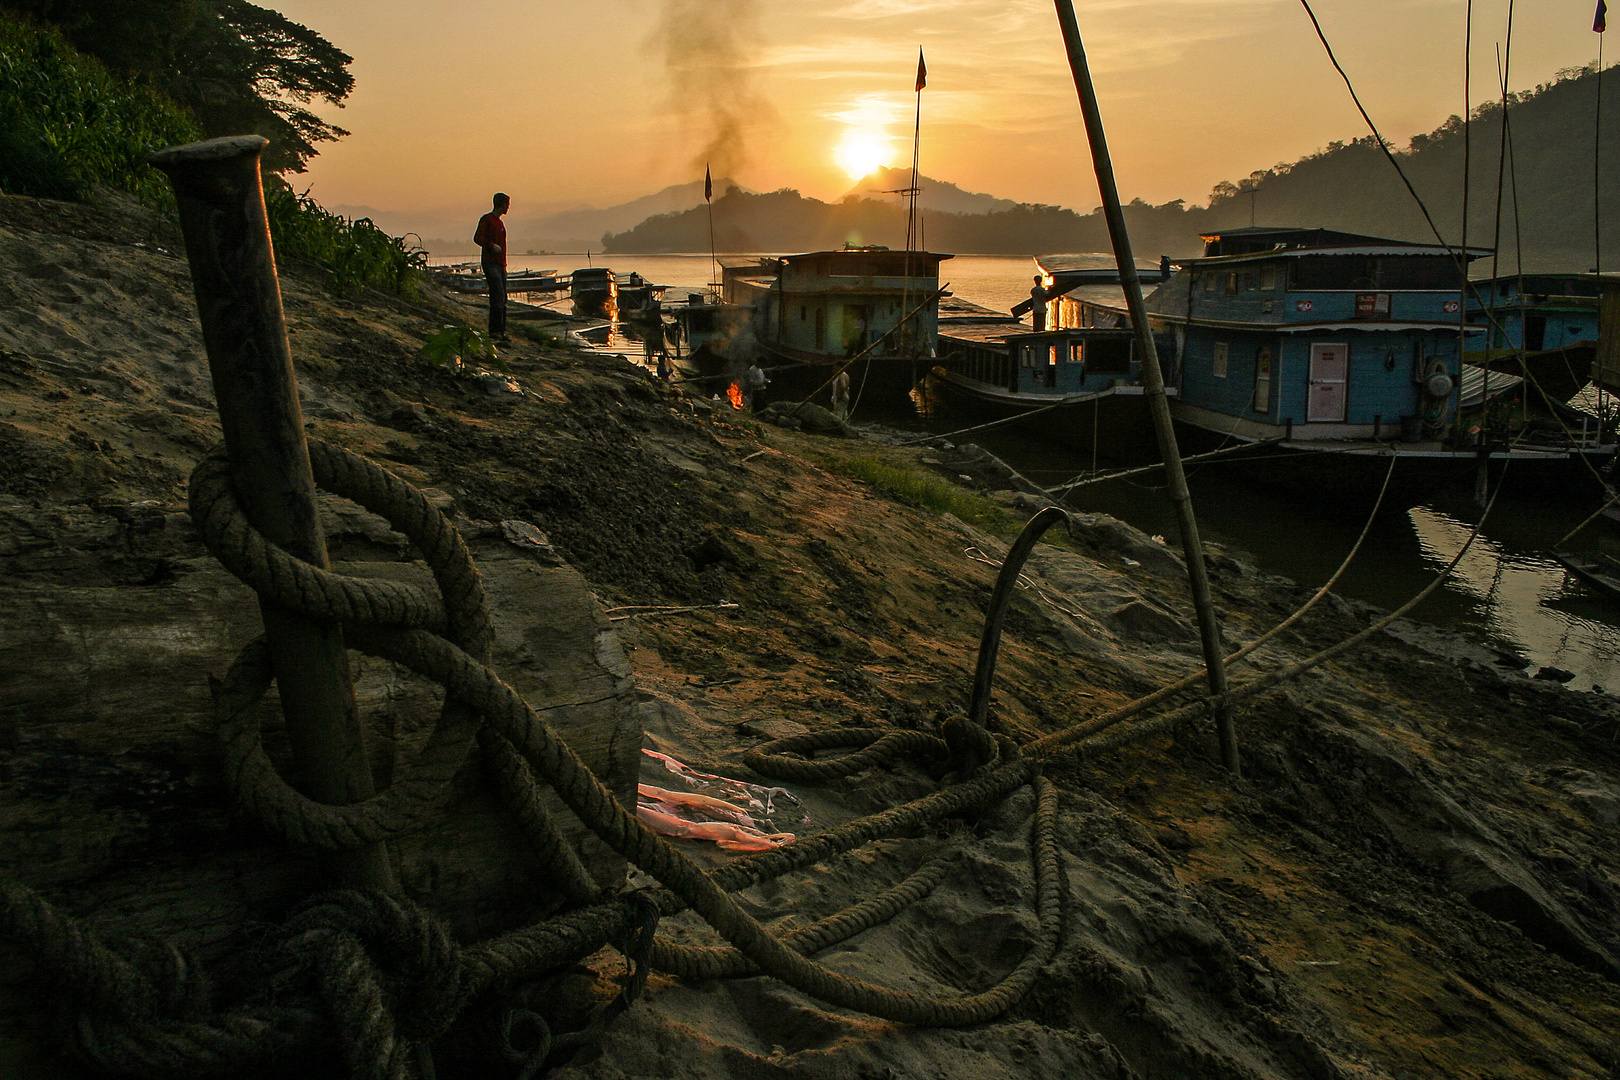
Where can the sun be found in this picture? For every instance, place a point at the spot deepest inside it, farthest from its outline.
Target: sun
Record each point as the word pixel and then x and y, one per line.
pixel 862 153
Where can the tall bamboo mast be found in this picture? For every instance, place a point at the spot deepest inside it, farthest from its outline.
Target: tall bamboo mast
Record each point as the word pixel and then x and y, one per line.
pixel 1209 631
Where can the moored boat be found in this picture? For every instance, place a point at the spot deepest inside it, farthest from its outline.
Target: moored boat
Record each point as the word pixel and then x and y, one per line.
pixel 594 291
pixel 815 311
pixel 1077 386
pixel 1601 572
pixel 1337 349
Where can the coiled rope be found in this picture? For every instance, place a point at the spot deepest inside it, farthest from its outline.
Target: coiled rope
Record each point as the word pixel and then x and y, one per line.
pixel 390 980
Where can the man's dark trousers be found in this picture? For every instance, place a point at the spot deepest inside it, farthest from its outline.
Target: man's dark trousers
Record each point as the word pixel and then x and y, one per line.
pixel 495 274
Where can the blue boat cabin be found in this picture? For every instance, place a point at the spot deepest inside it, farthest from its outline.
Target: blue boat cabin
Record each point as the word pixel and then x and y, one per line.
pixel 1533 313
pixel 1312 334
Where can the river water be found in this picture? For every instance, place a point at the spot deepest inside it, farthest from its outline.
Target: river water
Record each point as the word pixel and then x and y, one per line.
pixel 1506 591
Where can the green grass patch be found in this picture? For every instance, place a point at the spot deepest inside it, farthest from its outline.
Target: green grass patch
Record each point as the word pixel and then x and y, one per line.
pixel 927 491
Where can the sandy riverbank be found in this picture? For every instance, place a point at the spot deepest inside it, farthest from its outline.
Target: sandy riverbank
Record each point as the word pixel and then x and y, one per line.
pixel 1416 876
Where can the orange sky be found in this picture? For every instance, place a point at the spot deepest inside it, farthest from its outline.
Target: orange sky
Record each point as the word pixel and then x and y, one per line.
pixel 568 103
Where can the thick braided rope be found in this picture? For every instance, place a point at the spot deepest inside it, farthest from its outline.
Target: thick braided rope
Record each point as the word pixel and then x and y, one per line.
pixel 272 572
pixel 418 985
pixel 275 804
pixel 521 797
pixel 556 762
pixel 704 962
pixel 880 747
pixel 138 1016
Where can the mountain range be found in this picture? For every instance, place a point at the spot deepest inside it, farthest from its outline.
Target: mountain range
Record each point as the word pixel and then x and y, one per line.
pixel 1548 197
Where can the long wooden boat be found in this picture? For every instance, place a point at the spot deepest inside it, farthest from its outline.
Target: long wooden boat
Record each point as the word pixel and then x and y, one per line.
pixel 1601 572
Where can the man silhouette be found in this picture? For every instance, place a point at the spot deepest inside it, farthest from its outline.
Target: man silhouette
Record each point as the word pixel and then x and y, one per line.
pixel 491 240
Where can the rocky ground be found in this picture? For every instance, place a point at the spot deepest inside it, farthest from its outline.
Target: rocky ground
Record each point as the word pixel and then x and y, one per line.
pixel 1416 875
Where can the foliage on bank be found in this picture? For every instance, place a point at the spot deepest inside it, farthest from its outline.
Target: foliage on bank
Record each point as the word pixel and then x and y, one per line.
pixel 358 253
pixel 68 125
pixel 235 67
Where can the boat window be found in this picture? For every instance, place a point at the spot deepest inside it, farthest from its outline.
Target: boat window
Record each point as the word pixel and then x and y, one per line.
pixel 804 313
pixel 1077 353
pixel 1109 356
pixel 1054 355
pixel 1231 284
pixel 1219 364
pixel 1374 272
pixel 1268 278
pixel 1209 283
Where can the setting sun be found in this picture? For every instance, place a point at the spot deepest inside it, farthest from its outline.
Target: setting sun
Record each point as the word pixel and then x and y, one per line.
pixel 862 153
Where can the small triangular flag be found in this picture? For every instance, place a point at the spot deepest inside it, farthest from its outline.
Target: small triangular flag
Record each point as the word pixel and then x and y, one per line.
pixel 1600 21
pixel 708 185
pixel 922 71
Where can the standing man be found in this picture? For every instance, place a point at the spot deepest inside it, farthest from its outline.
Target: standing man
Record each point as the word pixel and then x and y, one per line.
pixel 491 240
pixel 1037 308
pixel 840 394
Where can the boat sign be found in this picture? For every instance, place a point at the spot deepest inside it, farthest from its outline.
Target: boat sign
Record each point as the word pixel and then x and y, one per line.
pixel 1303 305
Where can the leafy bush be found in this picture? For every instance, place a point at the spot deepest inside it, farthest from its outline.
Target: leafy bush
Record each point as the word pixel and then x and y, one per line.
pixel 67 125
pixel 355 250
pixel 458 346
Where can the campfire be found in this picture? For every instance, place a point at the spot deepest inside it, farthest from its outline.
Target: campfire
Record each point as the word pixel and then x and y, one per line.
pixel 735 394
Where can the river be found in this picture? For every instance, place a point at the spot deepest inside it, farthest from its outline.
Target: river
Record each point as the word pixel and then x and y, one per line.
pixel 1506 591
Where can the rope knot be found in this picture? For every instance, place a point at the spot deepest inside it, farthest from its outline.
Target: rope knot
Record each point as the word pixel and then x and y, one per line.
pixel 384 966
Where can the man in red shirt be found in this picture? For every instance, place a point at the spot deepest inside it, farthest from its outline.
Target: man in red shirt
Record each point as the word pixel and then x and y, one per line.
pixel 491 238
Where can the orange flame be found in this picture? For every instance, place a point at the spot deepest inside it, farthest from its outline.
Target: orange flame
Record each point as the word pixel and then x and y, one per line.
pixel 734 392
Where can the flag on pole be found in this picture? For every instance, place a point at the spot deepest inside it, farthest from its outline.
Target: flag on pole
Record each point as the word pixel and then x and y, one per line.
pixel 1600 21
pixel 708 185
pixel 922 71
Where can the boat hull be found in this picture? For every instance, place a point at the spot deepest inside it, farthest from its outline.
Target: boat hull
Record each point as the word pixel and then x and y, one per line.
pixel 881 382
pixel 1115 423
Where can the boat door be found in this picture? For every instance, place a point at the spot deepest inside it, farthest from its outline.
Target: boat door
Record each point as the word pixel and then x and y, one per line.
pixel 1330 376
pixel 856 328
pixel 1261 402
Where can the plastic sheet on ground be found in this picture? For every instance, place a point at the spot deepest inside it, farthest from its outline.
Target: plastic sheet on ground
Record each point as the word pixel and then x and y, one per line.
pixel 736 815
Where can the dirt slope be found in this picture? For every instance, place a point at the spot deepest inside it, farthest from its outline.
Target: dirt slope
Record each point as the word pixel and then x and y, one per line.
pixel 1416 877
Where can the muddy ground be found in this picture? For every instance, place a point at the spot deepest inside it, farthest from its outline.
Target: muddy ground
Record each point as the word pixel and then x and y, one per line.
pixel 1416 876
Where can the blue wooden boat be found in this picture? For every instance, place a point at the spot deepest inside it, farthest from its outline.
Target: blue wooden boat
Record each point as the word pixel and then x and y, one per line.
pixel 1342 348
pixel 1078 386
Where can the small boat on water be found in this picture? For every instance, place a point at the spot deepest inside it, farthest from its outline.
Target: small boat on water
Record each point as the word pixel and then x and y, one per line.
pixel 594 291
pixel 1601 572
pixel 639 299
pixel 469 278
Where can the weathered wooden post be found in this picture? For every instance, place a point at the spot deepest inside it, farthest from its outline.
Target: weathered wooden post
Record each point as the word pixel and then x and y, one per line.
pixel 1192 546
pixel 233 271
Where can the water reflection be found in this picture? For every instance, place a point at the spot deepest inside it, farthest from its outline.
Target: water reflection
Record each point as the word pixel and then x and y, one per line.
pixel 1526 600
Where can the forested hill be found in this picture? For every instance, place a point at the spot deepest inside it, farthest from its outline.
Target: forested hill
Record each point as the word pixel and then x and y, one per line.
pixel 1348 186
pixel 1550 130
pixel 788 221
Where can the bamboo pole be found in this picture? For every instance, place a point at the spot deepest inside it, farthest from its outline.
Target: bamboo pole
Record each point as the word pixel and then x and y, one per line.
pixel 1209 631
pixel 233 272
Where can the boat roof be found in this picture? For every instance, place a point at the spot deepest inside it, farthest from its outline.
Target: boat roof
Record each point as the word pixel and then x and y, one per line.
pixel 1268 241
pixel 857 251
pixel 1088 263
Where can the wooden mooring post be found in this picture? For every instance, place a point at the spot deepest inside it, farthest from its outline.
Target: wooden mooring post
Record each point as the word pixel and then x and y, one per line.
pixel 1192 546
pixel 233 272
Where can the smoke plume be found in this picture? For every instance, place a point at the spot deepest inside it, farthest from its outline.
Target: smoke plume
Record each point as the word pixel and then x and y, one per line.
pixel 710 49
